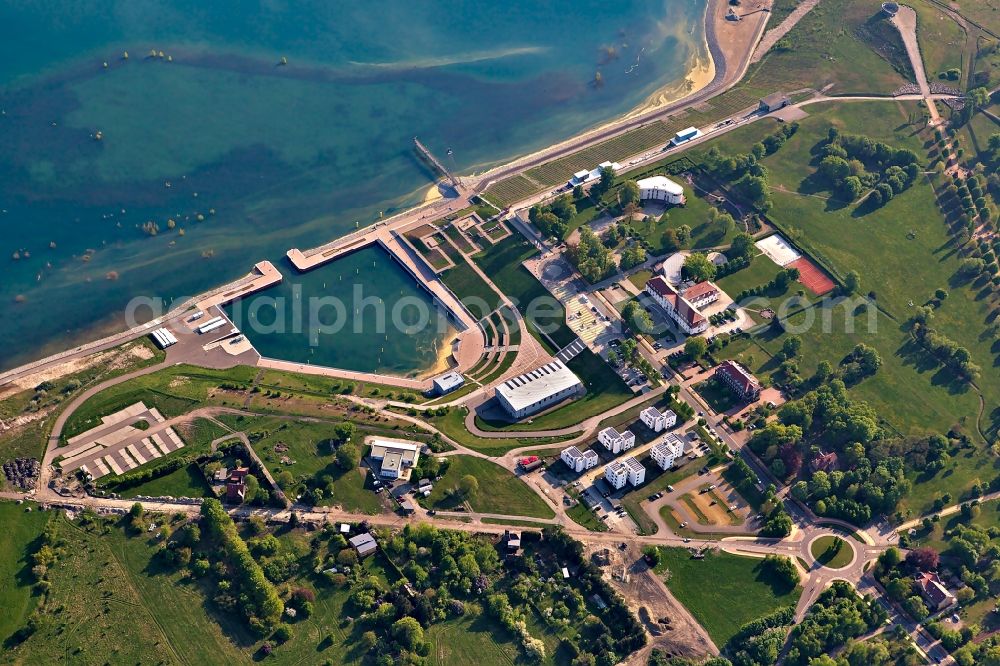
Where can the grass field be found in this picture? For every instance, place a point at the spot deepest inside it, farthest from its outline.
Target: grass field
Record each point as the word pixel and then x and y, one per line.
pixel 502 263
pixel 188 481
pixel 513 189
pixel 718 396
pixel 760 271
pixel 452 424
pixel 474 293
pixel 499 490
pixel 173 391
pixel 942 41
pixel 605 390
pixel 28 440
pixel 824 48
pixel 723 591
pixel 832 552
pixel 312 456
pixel 21 532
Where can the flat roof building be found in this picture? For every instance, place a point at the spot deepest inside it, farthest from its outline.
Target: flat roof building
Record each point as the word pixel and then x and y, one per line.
pixel 615 441
pixel 660 188
pixel 685 135
pixel 667 451
pixel 625 470
pixel 578 460
pixel 397 458
pixel 774 102
pixel 584 177
pixel 538 389
pixel 656 420
pixel 163 338
pixel 447 382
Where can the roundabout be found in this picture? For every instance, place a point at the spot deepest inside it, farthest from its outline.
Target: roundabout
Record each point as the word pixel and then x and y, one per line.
pixel 832 551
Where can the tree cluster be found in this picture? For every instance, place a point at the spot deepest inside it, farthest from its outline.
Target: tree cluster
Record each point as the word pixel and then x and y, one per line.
pixel 851 164
pixel 591 257
pixel 838 615
pixel 553 219
pixel 257 598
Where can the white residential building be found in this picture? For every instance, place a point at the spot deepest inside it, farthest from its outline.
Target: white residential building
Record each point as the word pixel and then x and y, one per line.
pixel 615 441
pixel 536 390
pixel 626 470
pixel 578 460
pixel 667 451
pixel 584 177
pixel 660 188
pixel 656 420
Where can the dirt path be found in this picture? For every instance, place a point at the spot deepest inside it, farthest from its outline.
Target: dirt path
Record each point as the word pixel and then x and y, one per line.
pixel 772 36
pixel 905 21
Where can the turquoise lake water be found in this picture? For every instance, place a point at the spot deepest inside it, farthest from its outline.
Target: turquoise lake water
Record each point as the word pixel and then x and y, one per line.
pixel 361 312
pixel 249 157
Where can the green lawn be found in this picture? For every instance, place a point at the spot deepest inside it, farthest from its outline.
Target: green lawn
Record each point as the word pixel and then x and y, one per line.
pixel 312 456
pixel 499 490
pixel 173 391
pixel 942 41
pixel 832 552
pixel 188 481
pixel 718 395
pixel 452 424
pixel 760 271
pixel 28 441
pixel 474 293
pixel 21 533
pixel 605 390
pixel 502 262
pixel 723 591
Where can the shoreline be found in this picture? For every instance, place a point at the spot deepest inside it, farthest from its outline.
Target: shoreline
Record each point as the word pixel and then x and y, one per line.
pixel 710 75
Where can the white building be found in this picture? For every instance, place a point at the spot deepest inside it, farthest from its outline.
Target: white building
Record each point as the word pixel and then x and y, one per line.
pixel 667 451
pixel 615 441
pixel 447 382
pixel 682 311
pixel 584 177
pixel 163 338
pixel 578 460
pixel 685 135
pixel 536 390
pixel 397 457
pixel 626 470
pixel 660 188
pixel 656 420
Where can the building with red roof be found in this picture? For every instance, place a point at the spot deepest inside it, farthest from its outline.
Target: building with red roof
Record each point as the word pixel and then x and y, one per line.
pixel 739 379
pixel 682 311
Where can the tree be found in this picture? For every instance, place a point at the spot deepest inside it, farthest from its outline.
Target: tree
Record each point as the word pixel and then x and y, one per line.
pixel 135 513
pixel 699 268
pixel 791 346
pixel 347 456
pixel 923 559
pixel 695 347
pixel 629 193
pixel 468 485
pixel 742 245
pixel 252 487
pixel 783 568
pixel 852 281
pixel 408 633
